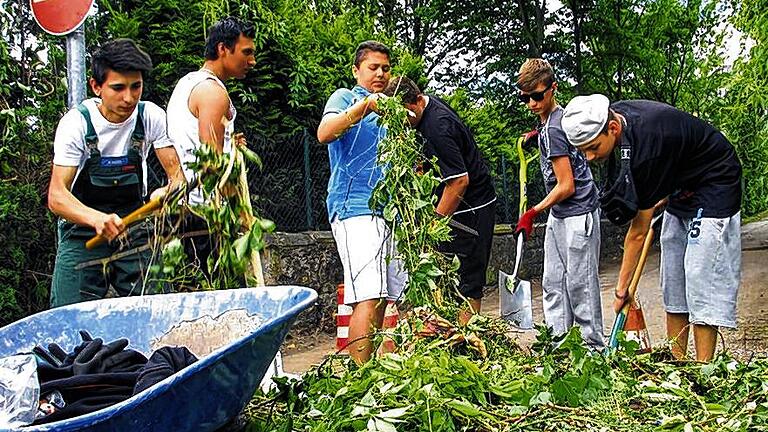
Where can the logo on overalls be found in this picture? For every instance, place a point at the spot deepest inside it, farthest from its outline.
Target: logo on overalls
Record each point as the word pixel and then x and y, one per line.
pixel 114 161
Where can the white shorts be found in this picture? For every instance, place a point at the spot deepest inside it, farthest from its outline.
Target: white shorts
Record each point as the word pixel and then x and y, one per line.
pixel 364 244
pixel 701 268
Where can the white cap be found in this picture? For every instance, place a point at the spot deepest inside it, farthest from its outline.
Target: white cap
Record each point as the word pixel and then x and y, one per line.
pixel 584 118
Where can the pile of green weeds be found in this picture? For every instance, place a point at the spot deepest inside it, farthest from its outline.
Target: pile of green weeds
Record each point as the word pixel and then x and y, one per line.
pixel 445 378
pixel 558 386
pixel 234 227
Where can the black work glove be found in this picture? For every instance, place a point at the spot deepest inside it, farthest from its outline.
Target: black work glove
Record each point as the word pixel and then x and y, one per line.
pixel 92 358
pixel 55 363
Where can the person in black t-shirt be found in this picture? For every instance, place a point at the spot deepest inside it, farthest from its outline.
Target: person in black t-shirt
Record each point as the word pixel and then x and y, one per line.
pixel 674 155
pixel 466 193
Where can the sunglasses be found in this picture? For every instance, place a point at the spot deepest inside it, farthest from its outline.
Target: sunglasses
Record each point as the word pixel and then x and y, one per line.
pixel 537 96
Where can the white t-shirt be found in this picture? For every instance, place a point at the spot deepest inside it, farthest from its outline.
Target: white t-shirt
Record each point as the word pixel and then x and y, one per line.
pixel 183 127
pixel 70 149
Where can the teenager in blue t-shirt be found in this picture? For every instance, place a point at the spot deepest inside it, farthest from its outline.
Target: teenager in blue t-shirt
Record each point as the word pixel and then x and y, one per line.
pixel 351 130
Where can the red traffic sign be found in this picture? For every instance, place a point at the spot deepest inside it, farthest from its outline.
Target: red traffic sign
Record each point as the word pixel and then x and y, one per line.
pixel 59 17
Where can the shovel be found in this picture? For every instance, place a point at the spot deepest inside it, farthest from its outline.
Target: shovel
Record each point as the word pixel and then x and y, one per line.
pixel 515 294
pixel 621 317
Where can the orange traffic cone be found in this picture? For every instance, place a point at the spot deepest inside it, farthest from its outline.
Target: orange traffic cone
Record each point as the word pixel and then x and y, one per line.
pixel 344 314
pixel 635 328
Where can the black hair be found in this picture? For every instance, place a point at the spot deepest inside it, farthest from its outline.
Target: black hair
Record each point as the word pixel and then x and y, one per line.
pixel 226 31
pixel 404 87
pixel 119 55
pixel 367 46
pixel 611 116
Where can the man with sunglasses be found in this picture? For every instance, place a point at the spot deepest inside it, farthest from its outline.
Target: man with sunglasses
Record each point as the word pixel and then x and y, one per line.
pixel 667 153
pixel 572 237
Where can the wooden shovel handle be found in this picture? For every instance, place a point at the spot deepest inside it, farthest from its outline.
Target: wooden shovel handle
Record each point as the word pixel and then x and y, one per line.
pixel 135 216
pixel 638 270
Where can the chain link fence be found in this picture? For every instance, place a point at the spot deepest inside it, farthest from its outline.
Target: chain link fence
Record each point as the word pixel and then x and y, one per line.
pixel 290 187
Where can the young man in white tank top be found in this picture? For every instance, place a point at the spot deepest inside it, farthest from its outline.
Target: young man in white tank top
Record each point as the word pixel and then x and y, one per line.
pixel 200 111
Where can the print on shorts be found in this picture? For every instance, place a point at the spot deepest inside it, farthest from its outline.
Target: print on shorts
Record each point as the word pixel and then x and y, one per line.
pixel 694 228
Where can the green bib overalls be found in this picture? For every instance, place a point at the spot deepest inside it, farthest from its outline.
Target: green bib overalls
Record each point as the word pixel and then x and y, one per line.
pixel 110 185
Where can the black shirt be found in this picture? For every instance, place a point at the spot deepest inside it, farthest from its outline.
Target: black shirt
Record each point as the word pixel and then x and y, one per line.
pixel 678 155
pixel 447 138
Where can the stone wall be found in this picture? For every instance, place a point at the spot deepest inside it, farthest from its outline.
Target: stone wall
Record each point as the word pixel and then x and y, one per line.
pixel 310 259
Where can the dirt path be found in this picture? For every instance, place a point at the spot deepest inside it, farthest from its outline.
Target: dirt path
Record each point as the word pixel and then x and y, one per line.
pixel 750 336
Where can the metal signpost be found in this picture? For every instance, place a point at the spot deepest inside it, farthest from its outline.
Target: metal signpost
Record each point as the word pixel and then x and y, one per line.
pixel 66 17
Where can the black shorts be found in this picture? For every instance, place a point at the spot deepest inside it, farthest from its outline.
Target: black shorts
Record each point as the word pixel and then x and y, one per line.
pixel 474 252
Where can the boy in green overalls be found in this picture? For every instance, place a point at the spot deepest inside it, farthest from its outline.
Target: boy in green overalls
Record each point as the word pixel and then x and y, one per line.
pixel 99 176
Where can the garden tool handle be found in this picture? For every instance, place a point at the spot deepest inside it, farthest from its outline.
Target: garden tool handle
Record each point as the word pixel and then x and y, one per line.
pixel 138 214
pixel 142 212
pixel 638 270
pixel 460 226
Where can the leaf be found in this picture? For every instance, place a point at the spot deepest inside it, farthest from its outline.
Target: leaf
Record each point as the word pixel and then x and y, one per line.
pixel 541 398
pixel 714 408
pixel 394 413
pixel 670 422
pixel 661 397
pixel 360 411
pixel 314 412
pixel 464 407
pixel 384 426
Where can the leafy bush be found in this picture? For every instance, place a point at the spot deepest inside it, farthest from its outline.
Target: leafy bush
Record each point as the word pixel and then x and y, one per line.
pixel 27 253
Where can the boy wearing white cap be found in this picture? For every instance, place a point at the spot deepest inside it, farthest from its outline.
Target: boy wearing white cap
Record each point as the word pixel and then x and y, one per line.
pixel 572 239
pixel 667 153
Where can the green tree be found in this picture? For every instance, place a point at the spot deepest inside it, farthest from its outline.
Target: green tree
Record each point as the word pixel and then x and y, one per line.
pixel 648 49
pixel 31 100
pixel 743 115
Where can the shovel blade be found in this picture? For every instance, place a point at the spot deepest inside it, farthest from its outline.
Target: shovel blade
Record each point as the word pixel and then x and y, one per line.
pixel 515 301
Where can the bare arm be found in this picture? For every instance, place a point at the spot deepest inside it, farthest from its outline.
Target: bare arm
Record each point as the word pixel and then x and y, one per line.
pixel 452 194
pixel 169 159
pixel 333 126
pixel 633 245
pixel 62 203
pixel 209 102
pixel 565 186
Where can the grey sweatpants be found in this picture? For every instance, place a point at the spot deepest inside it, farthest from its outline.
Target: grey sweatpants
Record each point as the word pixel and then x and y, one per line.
pixel 571 284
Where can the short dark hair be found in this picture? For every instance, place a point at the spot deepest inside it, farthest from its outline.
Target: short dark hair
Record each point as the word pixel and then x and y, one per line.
pixel 226 31
pixel 365 47
pixel 611 116
pixel 119 55
pixel 404 87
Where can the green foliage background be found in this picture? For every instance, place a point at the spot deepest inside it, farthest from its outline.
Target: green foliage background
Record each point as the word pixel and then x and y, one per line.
pixel 665 50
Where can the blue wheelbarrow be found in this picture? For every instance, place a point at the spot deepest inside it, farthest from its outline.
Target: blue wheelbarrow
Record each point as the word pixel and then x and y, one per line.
pixel 201 397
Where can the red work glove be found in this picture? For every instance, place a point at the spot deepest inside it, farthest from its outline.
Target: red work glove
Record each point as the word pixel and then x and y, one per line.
pixel 531 139
pixel 525 224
